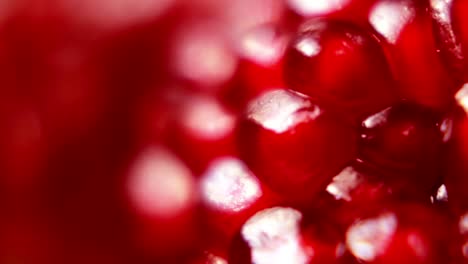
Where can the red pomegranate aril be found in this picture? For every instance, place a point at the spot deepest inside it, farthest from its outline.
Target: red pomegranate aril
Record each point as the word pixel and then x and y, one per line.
pixel 161 195
pixel 203 124
pixel 294 146
pixel 403 132
pixel 230 194
pixel 401 233
pixel 279 234
pixel 341 66
pixel 188 123
pixel 201 55
pixel 407 28
pixel 405 139
pixel 273 236
pixel 261 52
pixel 357 187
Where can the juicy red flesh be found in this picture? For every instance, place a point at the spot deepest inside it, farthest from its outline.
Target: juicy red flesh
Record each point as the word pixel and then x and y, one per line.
pixel 269 131
pixel 404 141
pixel 295 152
pixel 340 65
pixel 412 51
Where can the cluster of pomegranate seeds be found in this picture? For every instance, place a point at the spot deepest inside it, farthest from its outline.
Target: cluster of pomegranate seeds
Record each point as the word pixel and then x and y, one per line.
pixel 213 132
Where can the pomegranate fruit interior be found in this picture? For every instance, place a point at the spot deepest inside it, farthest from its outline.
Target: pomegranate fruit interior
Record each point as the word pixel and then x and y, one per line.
pixel 216 132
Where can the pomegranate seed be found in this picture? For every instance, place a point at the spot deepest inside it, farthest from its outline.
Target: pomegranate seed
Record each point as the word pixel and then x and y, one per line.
pixel 261 53
pixel 352 189
pixel 203 124
pixel 400 233
pixel 406 139
pixel 278 233
pixel 406 27
pixel 231 193
pixel 292 145
pixel 273 236
pixel 201 55
pixel 161 192
pixel 340 65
